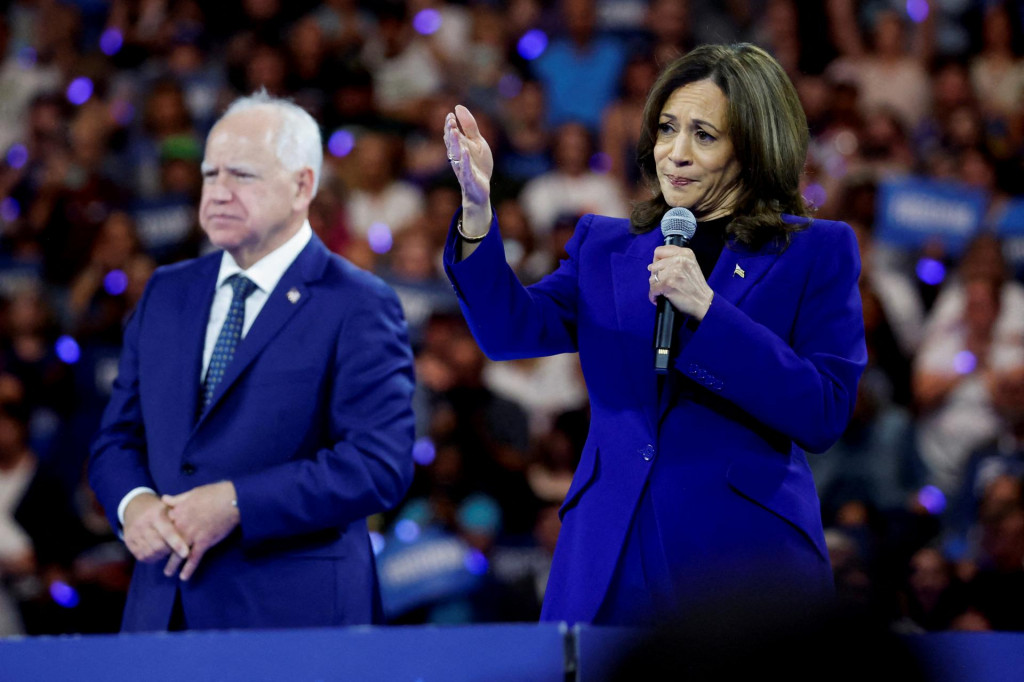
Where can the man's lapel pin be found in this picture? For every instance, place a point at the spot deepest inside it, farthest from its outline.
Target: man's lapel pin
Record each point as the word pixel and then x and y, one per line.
pixel 737 271
pixel 294 295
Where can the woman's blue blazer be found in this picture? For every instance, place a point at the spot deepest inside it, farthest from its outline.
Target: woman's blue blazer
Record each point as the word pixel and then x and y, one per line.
pixel 717 452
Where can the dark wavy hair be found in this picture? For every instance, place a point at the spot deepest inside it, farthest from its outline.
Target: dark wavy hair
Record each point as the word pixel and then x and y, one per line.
pixel 766 124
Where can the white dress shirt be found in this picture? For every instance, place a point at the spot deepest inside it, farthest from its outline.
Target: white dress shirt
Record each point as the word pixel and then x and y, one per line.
pixel 265 274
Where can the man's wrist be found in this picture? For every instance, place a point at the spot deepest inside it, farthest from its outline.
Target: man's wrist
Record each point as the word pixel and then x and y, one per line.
pixel 131 495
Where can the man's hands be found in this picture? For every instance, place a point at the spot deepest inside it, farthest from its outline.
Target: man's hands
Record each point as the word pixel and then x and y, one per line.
pixel 182 527
pixel 205 516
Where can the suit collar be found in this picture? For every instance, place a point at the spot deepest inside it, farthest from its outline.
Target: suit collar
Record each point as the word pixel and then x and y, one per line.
pixel 290 295
pixel 191 317
pixel 737 270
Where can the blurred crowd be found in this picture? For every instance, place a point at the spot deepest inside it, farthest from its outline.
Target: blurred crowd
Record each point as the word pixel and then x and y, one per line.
pixel 104 107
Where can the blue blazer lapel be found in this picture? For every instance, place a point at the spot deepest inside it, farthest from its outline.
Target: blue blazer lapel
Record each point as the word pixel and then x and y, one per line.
pixel 738 269
pixel 193 315
pixel 635 317
pixel 289 296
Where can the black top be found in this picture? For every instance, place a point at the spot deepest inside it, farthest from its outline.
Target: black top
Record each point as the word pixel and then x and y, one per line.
pixel 708 242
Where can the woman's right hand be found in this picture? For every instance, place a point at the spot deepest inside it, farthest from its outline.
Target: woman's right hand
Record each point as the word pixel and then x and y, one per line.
pixel 471 159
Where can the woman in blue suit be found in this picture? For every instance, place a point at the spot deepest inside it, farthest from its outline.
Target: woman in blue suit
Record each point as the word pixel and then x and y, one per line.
pixel 693 491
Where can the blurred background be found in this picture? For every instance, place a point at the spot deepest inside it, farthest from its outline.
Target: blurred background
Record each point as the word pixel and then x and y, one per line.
pixel 916 111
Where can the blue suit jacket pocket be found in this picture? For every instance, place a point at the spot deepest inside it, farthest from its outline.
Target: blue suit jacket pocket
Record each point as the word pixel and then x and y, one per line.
pixel 586 474
pixel 783 492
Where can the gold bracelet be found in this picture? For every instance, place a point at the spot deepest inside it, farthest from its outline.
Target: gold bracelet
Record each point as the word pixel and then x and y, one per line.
pixel 465 237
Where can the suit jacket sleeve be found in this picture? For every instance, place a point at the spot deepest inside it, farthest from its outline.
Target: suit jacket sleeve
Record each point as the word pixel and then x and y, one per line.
pixel 509 320
pixel 118 461
pixel 369 467
pixel 805 386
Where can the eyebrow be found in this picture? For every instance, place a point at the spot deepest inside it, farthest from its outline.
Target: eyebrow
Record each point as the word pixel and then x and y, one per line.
pixel 698 121
pixel 205 168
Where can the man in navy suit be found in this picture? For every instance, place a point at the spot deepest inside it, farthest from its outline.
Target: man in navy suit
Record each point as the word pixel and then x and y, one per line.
pixel 262 408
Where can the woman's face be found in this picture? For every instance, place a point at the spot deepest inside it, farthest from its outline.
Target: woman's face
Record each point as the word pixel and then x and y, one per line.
pixel 693 154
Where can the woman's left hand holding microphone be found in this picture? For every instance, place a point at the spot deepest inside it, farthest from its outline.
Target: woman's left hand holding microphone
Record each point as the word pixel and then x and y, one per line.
pixel 676 275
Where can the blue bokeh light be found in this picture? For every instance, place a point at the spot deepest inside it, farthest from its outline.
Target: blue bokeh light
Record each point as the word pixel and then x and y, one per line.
pixel 79 90
pixel 379 237
pixel 67 350
pixel 123 111
pixel 427 21
pixel 917 10
pixel 532 44
pixel 407 530
pixel 600 163
pixel 476 562
pixel 27 56
pixel 964 362
pixel 930 271
pixel 10 209
pixel 510 85
pixel 377 542
pixel 111 42
pixel 423 451
pixel 115 282
pixel 63 594
pixel 341 143
pixel 17 155
pixel 815 195
pixel 932 499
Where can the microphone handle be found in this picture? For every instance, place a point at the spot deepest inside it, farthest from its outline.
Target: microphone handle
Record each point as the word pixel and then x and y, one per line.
pixel 663 332
pixel 664 328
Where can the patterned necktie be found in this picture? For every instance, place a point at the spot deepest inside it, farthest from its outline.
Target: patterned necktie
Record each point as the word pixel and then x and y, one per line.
pixel 229 336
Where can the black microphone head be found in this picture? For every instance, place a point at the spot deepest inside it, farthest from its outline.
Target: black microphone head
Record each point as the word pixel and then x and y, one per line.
pixel 678 223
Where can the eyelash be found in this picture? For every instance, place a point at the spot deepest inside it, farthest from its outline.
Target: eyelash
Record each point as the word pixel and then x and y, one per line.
pixel 700 134
pixel 209 175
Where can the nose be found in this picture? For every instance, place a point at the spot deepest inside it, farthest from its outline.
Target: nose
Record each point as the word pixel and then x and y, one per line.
pixel 216 189
pixel 680 152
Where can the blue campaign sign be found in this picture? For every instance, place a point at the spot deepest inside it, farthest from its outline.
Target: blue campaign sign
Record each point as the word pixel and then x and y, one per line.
pixel 914 211
pixel 1010 228
pixel 426 567
pixel 1010 222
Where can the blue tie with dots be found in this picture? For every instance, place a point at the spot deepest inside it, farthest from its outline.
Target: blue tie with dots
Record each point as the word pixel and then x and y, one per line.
pixel 229 336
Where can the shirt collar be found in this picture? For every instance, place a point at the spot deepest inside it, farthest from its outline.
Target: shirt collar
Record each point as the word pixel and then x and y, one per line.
pixel 267 271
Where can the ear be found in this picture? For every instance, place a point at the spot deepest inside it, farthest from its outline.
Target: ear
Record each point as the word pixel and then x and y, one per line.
pixel 303 188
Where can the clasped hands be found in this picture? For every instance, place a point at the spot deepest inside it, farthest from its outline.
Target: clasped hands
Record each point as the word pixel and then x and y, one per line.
pixel 181 527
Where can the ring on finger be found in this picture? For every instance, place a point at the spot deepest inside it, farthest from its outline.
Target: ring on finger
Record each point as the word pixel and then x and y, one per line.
pixel 656 279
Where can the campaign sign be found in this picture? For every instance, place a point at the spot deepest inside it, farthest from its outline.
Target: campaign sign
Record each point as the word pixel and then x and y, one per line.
pixel 426 567
pixel 1010 228
pixel 912 212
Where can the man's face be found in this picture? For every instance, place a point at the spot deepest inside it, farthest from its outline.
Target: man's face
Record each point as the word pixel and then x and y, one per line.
pixel 251 203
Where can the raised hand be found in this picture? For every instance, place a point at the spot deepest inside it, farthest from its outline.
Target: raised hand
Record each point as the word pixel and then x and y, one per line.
pixel 473 163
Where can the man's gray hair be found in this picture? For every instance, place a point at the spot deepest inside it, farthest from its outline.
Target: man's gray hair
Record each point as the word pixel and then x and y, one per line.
pixel 298 144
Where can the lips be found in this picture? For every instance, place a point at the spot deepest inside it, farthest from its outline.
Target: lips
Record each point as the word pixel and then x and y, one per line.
pixel 677 181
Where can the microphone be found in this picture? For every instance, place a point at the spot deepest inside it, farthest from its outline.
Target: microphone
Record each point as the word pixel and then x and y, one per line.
pixel 677 226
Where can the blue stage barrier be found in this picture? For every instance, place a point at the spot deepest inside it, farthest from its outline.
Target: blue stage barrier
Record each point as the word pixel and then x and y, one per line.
pixel 971 656
pixel 480 653
pixel 941 657
pixel 499 653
